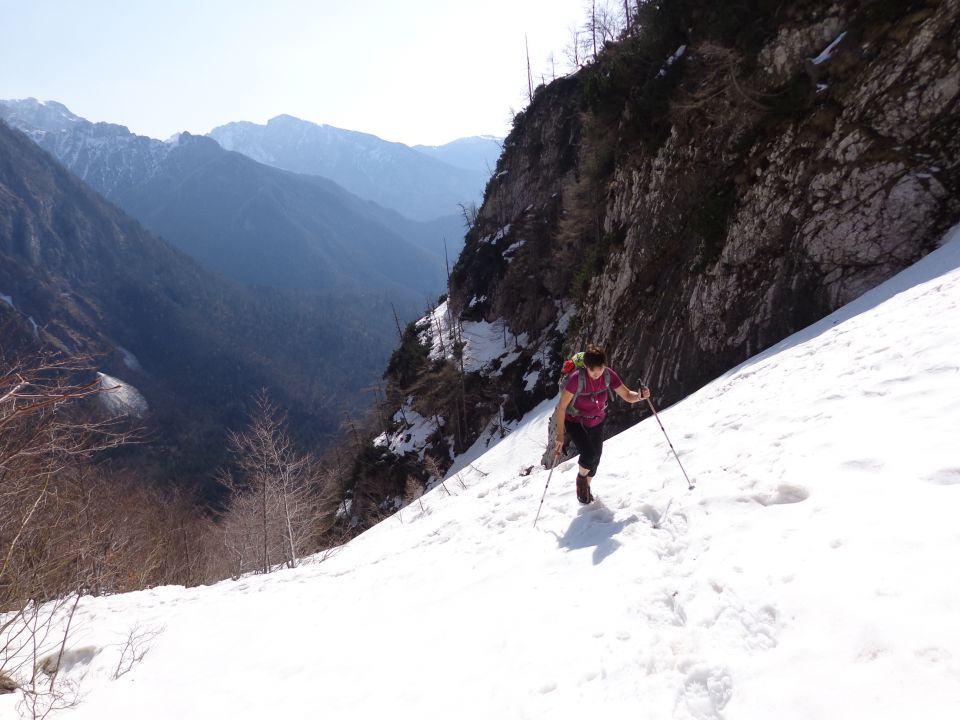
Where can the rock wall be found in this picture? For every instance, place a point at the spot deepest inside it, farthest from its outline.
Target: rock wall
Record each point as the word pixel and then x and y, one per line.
pixel 780 214
pixel 692 198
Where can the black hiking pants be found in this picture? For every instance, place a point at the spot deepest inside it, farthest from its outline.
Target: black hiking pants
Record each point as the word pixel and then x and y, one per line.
pixel 589 442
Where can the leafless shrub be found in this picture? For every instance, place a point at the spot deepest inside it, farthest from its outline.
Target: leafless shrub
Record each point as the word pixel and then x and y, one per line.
pixel 32 653
pixel 433 471
pixel 71 525
pixel 47 442
pixel 135 648
pixel 413 490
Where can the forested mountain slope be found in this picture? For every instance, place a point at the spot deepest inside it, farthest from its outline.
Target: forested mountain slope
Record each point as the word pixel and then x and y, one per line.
pixel 81 277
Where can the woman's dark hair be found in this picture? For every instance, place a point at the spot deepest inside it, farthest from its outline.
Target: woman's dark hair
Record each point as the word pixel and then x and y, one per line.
pixel 594 357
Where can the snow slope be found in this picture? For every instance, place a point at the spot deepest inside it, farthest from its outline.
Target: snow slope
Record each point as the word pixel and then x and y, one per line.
pixel 810 574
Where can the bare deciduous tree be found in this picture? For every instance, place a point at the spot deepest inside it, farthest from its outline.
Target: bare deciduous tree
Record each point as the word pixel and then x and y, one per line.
pixel 44 439
pixel 72 524
pixel 469 213
pixel 606 23
pixel 279 498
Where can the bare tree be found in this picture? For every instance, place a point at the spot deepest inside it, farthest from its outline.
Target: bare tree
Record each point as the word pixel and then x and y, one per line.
pixel 469 214
pixel 71 524
pixel 397 321
pixel 592 26
pixel 608 23
pixel 277 494
pixel 577 48
pixel 33 647
pixel 44 438
pixel 526 45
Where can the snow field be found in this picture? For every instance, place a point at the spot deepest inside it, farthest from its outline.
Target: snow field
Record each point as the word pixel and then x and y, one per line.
pixel 810 573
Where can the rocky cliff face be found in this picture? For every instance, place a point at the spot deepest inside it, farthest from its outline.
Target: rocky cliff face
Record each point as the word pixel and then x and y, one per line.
pixel 717 180
pixel 790 214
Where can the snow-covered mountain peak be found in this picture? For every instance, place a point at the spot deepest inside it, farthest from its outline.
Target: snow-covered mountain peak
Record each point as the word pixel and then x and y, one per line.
pixel 42 115
pixel 88 149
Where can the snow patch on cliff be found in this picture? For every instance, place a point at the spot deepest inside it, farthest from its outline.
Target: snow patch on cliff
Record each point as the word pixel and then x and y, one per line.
pixel 120 398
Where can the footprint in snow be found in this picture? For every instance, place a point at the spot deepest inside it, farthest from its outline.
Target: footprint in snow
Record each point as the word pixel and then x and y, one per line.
pixel 651 513
pixel 897 380
pixel 784 495
pixel 679 614
pixel 947 476
pixel 865 464
pixel 706 691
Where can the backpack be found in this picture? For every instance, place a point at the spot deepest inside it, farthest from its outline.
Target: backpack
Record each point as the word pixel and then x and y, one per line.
pixel 575 365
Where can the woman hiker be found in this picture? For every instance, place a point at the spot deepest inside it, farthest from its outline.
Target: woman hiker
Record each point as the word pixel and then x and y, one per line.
pixel 583 408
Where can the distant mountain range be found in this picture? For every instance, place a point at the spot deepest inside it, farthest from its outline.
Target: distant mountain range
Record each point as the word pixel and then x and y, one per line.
pixel 254 223
pixel 80 276
pixel 420 183
pixel 472 153
pixel 322 269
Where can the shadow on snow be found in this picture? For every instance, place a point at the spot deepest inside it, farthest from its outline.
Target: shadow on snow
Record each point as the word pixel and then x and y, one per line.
pixel 594 527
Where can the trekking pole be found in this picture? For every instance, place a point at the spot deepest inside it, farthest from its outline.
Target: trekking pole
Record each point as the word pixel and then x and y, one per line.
pixel 549 475
pixel 690 483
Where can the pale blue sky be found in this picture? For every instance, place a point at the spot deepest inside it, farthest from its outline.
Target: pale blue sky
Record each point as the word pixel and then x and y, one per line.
pixel 421 71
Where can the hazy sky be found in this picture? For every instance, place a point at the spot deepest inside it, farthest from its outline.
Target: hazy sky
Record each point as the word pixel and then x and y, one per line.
pixel 414 71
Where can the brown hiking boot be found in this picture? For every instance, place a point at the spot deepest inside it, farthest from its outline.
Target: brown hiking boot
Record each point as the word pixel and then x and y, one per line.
pixel 583 489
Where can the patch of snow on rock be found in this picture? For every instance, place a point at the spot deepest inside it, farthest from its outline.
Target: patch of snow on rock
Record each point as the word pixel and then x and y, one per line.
pixel 679 53
pixel 119 398
pixel 828 51
pixel 412 435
